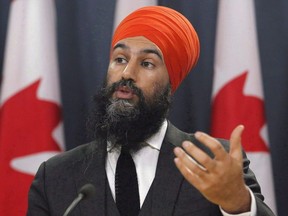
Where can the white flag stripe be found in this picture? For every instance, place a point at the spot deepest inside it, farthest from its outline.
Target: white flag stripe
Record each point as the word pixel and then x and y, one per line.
pixel 237 31
pixel 125 7
pixel 264 135
pixel 31 49
pixel 29 130
pixel 261 165
pixel 31 54
pixel 237 52
pixel 58 135
pixel 13 62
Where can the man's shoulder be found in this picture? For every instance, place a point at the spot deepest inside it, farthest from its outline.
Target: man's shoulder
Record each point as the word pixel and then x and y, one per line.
pixel 72 156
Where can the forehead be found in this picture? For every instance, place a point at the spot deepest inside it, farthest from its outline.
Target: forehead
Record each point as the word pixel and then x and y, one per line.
pixel 137 43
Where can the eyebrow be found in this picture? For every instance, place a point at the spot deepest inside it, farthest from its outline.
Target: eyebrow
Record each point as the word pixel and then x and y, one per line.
pixel 120 45
pixel 147 51
pixel 153 51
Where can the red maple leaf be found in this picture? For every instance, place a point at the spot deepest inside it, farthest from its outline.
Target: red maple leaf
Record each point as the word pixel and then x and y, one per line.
pixel 231 108
pixel 26 125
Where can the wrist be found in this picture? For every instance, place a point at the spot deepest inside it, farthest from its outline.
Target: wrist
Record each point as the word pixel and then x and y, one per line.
pixel 239 204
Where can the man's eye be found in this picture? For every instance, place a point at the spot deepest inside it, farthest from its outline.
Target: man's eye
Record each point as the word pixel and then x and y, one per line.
pixel 120 60
pixel 147 64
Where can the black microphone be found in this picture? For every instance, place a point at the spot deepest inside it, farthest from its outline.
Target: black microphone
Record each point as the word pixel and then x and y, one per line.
pixel 85 192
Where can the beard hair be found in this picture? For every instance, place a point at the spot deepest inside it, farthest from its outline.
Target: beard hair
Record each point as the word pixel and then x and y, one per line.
pixel 123 123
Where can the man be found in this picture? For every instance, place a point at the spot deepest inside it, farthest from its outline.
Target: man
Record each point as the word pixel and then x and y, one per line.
pixel 152 51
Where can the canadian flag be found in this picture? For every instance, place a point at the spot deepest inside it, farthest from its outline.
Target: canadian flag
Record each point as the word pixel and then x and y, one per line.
pixel 125 7
pixel 237 89
pixel 31 127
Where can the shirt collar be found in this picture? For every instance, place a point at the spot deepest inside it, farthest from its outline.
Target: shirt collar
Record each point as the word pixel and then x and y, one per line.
pixel 155 141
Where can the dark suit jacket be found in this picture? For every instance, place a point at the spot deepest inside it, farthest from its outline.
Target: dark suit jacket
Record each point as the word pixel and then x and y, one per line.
pixel 58 180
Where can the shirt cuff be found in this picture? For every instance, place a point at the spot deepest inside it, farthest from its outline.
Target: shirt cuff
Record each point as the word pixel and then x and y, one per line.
pixel 253 208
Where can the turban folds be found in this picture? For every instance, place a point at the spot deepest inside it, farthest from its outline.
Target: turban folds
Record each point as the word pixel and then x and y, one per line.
pixel 170 31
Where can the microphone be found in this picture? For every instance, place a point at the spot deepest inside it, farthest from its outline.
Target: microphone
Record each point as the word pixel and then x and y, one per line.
pixel 85 192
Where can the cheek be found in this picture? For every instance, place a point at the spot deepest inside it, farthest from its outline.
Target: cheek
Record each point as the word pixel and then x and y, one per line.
pixel 112 75
pixel 154 87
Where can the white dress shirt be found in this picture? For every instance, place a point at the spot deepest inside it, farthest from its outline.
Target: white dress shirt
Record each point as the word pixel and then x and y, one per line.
pixel 146 162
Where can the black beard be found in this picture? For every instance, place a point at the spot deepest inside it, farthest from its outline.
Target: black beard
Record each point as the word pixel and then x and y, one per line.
pixel 123 123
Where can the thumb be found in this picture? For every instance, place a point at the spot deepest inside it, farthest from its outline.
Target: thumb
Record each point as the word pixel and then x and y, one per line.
pixel 235 143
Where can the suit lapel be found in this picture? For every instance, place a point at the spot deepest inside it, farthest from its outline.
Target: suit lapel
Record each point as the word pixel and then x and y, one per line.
pixel 168 180
pixel 92 170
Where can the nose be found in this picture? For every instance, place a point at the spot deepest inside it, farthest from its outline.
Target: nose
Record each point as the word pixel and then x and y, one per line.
pixel 130 71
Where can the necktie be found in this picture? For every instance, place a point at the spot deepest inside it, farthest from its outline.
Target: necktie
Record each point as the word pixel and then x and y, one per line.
pixel 126 185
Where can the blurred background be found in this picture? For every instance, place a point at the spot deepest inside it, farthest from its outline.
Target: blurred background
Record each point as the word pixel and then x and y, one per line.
pixel 83 33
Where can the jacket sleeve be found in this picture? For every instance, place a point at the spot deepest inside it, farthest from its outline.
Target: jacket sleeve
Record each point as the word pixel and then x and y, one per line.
pixel 252 183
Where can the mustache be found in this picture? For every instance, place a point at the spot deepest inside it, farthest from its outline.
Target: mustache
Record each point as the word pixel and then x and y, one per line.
pixel 127 83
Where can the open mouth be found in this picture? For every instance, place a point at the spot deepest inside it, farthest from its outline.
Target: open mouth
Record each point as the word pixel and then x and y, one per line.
pixel 124 92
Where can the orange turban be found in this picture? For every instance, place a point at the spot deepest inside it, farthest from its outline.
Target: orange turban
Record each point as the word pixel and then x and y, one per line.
pixel 170 31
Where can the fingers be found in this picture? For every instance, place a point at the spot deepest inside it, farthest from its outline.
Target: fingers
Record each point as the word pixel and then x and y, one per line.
pixel 218 177
pixel 235 142
pixel 213 144
pixel 187 166
pixel 203 163
pixel 191 151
